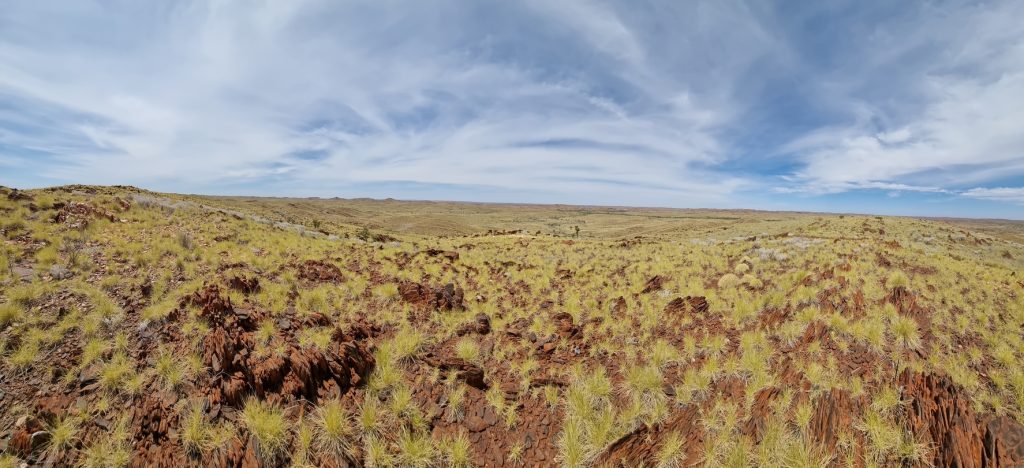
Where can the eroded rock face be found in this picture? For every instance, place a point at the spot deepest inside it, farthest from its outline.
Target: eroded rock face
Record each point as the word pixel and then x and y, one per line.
pixel 640 448
pixel 941 415
pixel 833 415
pixel 480 325
pixel 155 428
pixel 654 284
pixel 320 272
pixel 247 285
pixel 448 297
pixel 466 371
pixel 288 372
pixel 77 215
pixel 688 304
pixel 447 254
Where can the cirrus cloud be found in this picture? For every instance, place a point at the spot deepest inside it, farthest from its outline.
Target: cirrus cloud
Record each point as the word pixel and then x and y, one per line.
pixel 711 103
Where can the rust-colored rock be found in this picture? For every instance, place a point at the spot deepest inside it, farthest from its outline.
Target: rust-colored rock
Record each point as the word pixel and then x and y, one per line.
pixel 21 442
pixel 640 447
pixel 688 304
pixel 619 306
pixel 446 254
pixel 564 325
pixel 155 424
pixel 247 285
pixel 471 373
pixel 834 414
pixel 77 215
pixel 448 297
pixel 296 373
pixel 320 272
pixel 654 284
pixel 940 414
pixel 480 325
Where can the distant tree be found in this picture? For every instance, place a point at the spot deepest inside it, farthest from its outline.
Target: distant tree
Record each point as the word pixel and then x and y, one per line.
pixel 317 223
pixel 577 228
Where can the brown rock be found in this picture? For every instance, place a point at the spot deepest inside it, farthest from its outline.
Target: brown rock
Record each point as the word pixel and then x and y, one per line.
pixel 448 297
pixel 247 285
pixel 619 306
pixel 654 284
pixel 939 413
pixel 320 272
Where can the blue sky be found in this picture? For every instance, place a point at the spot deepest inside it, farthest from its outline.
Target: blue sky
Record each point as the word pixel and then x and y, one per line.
pixel 879 107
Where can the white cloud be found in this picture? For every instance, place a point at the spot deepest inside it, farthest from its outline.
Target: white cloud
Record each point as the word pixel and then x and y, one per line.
pixel 204 93
pixel 1004 194
pixel 956 119
pixel 614 102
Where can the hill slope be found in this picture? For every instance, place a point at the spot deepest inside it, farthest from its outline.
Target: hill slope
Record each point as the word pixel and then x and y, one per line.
pixel 156 329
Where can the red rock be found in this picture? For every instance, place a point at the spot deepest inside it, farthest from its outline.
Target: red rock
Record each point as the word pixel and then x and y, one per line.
pixel 654 284
pixel 619 307
pixel 448 297
pixel 939 413
pixel 247 285
pixel 320 272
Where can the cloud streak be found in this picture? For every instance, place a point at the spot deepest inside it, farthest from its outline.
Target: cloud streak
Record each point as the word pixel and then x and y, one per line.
pixel 659 103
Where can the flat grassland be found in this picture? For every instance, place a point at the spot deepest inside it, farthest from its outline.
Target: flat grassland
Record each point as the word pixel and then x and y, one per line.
pixel 147 329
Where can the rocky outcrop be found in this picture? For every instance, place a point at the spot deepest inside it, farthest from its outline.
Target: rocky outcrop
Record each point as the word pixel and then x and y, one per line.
pixel 448 297
pixel 466 371
pixel 640 447
pixel 688 304
pixel 319 272
pixel 480 325
pixel 940 413
pixel 289 371
pixel 247 285
pixel 654 284
pixel 76 215
pixel 446 254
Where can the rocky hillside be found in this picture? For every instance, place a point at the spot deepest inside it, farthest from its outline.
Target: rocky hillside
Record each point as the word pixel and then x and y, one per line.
pixel 155 330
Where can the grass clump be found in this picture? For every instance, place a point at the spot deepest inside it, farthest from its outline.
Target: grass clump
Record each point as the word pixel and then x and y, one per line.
pixel 728 280
pixel 415 450
pixel 111 449
pixel 387 292
pixel 63 432
pixel 457 450
pixel 333 429
pixel 196 433
pixel 9 312
pixel 897 279
pixel 468 349
pixel 905 332
pixel 671 453
pixel 267 427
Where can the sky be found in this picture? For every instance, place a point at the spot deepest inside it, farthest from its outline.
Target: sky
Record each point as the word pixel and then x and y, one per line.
pixel 907 107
